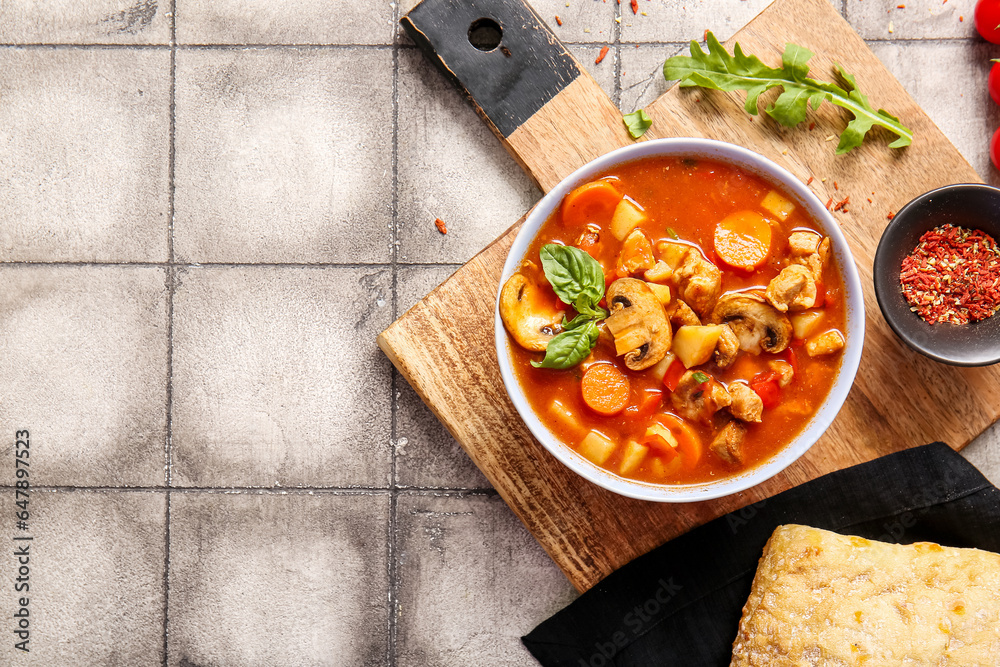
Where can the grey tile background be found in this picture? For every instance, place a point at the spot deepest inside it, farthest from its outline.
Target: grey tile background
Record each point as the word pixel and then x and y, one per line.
pixel 209 211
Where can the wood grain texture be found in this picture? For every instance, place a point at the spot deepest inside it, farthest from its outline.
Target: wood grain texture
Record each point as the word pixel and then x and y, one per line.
pixel 444 345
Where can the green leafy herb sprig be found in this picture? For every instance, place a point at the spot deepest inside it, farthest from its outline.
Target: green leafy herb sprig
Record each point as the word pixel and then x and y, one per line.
pixel 578 280
pixel 720 71
pixel 637 123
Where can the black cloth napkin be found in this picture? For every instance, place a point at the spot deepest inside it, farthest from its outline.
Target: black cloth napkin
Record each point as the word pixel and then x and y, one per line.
pixel 681 603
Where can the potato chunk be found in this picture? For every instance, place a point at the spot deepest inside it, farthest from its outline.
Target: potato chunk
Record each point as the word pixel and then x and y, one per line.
pixel 632 457
pixel 778 205
pixel 597 447
pixel 627 216
pixel 694 345
pixel 806 323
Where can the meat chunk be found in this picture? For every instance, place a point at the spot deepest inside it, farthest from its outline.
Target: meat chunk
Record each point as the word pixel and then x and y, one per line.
pixel 792 289
pixel 746 404
pixel 699 282
pixel 694 401
pixel 681 315
pixel 803 243
pixel 825 343
pixel 816 261
pixel 728 442
pixel 727 348
pixel 784 370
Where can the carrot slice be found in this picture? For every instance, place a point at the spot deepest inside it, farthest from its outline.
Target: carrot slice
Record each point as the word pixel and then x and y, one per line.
pixel 743 240
pixel 688 442
pixel 605 389
pixel 591 202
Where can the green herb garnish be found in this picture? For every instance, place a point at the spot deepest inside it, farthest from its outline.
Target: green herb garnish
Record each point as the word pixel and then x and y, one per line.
pixel 720 71
pixel 672 234
pixel 578 280
pixel 700 378
pixel 637 123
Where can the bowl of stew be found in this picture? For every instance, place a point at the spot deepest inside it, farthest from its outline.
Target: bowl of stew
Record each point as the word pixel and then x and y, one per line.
pixel 679 320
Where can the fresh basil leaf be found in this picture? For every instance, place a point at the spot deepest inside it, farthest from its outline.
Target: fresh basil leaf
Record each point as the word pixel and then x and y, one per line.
pixel 576 277
pixel 718 70
pixel 570 347
pixel 582 318
pixel 637 123
pixel 700 377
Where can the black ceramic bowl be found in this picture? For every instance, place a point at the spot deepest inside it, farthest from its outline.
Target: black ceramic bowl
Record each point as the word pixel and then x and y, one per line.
pixel 968 205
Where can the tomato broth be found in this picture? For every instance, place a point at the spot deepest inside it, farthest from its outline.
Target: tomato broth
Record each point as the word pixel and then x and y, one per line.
pixel 683 201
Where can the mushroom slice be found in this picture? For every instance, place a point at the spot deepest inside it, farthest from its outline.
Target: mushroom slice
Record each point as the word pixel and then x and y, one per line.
pixel 728 442
pixel 526 316
pixel 727 348
pixel 746 404
pixel 638 323
pixel 698 401
pixel 792 289
pixel 757 325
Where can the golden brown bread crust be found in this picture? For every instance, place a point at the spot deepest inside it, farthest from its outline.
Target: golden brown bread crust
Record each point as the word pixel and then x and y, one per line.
pixel 820 598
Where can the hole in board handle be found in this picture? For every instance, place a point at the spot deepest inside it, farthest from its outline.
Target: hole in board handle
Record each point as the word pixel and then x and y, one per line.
pixel 485 34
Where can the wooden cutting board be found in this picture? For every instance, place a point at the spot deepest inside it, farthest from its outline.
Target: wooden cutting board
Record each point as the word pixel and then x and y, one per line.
pixel 553 118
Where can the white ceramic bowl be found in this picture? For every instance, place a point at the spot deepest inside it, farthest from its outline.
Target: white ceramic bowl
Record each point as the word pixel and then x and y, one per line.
pixel 855 314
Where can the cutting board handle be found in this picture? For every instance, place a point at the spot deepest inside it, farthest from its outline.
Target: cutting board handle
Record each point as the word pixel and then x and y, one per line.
pixel 545 108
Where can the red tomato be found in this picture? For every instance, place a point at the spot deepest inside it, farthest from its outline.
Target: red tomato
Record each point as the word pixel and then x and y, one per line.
pixel 988 20
pixel 995 149
pixel 766 386
pixel 673 375
pixel 994 82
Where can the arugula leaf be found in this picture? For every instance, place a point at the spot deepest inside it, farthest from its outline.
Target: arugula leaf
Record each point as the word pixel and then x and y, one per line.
pixel 718 70
pixel 570 347
pixel 700 377
pixel 637 123
pixel 576 277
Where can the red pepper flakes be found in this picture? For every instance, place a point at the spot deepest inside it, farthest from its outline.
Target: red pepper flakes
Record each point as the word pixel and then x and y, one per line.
pixel 890 216
pixel 835 186
pixel 810 180
pixel 953 275
pixel 829 203
pixel 869 199
pixel 812 126
pixel 842 204
pixel 558 20
pixel 635 6
pixel 704 37
pixel 961 19
pixel 439 223
pixel 600 56
pixel 900 6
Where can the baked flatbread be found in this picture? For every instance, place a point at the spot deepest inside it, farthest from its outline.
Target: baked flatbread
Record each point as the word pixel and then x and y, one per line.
pixel 820 598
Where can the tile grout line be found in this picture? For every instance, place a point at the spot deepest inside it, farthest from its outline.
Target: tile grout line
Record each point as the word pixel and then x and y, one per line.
pixel 616 27
pixel 391 628
pixel 171 288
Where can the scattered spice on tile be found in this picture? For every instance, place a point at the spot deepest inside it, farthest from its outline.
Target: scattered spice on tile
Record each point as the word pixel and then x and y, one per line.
pixel 900 6
pixel 890 216
pixel 600 56
pixel 635 7
pixel 439 223
pixel 953 275
pixel 704 37
pixel 558 20
pixel 891 27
